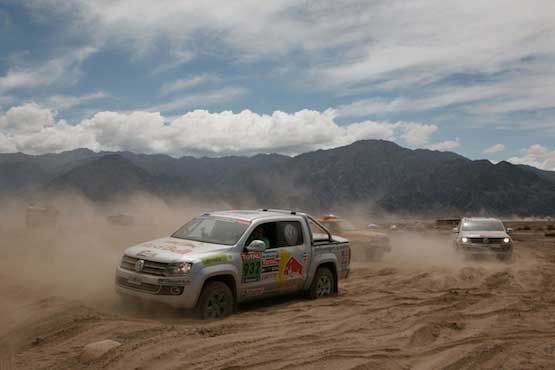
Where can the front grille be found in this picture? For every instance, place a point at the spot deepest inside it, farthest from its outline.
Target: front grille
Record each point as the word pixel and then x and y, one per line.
pixel 145 287
pixel 151 288
pixel 486 240
pixel 149 268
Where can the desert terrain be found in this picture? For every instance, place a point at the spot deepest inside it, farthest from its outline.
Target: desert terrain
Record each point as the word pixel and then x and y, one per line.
pixel 422 307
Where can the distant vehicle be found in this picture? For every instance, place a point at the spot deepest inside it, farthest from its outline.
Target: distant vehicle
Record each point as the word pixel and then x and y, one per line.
pixel 368 244
pixel 484 236
pixel 121 220
pixel 447 222
pixel 221 258
pixel 36 216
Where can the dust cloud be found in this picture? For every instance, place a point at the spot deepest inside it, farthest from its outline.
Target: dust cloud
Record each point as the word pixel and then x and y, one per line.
pixel 76 256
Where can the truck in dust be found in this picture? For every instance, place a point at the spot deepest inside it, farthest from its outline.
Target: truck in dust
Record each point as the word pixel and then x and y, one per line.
pixel 483 237
pixel 222 258
pixel 368 245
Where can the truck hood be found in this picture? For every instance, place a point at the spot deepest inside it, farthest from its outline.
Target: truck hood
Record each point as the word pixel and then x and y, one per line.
pixel 170 250
pixel 339 239
pixel 484 234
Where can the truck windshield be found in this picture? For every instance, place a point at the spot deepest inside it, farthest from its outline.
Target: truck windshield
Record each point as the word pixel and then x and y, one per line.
pixel 211 229
pixel 482 226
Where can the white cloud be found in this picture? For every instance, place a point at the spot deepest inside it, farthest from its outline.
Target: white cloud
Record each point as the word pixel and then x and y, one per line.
pixel 56 71
pixel 185 84
pixel 26 119
pixel 417 134
pixel 201 100
pixel 32 129
pixel 538 156
pixel 62 102
pixel 497 148
pixel 445 145
pixel 501 50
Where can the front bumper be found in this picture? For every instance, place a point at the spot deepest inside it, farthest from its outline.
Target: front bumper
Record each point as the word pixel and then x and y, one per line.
pixel 473 249
pixel 179 292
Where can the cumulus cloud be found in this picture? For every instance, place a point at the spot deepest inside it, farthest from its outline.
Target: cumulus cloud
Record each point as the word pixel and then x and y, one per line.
pixel 417 134
pixel 33 129
pixel 537 156
pixel 445 145
pixel 497 148
pixel 25 119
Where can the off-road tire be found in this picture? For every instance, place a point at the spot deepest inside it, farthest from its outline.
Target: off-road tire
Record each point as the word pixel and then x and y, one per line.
pixel 323 284
pixel 216 301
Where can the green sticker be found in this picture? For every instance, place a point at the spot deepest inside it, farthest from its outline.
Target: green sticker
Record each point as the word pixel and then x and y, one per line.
pixel 221 258
pixel 251 270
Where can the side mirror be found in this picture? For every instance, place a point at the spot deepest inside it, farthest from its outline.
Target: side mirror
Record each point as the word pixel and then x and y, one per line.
pixel 509 231
pixel 256 246
pixel 455 230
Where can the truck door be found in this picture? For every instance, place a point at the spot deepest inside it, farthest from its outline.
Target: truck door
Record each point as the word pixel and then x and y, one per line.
pixel 284 264
pixel 294 256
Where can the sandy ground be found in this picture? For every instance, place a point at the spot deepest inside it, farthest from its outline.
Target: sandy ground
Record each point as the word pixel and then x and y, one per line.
pixel 423 307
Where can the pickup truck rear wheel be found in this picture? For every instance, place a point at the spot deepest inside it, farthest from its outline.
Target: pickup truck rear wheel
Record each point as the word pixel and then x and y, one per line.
pixel 215 302
pixel 323 284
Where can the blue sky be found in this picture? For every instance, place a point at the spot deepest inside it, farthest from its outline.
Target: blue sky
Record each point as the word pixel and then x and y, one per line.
pixel 218 78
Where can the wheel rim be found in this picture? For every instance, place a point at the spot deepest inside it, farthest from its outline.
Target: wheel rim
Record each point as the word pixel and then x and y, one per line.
pixel 324 286
pixel 216 306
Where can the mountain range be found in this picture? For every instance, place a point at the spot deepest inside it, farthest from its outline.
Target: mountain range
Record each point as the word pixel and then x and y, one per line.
pixel 374 174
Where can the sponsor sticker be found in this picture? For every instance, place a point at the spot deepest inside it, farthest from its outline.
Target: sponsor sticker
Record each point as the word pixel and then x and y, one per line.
pixel 269 276
pixel 147 253
pixel 181 243
pixel 171 248
pixel 254 291
pixel 251 266
pixel 293 267
pixel 213 260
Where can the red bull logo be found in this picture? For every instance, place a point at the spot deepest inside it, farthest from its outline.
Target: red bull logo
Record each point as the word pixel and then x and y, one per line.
pixel 293 267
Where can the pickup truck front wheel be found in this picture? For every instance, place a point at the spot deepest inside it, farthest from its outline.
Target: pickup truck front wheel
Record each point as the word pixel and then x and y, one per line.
pixel 323 284
pixel 215 302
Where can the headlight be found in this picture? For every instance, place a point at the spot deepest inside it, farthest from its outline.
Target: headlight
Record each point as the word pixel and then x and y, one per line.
pixel 178 268
pixel 506 240
pixel 464 240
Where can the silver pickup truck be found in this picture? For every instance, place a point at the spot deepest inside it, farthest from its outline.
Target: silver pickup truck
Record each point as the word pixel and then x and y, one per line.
pixel 222 258
pixel 483 237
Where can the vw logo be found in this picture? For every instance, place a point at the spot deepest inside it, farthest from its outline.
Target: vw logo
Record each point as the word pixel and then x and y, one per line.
pixel 139 265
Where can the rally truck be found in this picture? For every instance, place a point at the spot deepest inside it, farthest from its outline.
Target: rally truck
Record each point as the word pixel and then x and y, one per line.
pixel 220 259
pixel 476 236
pixel 367 244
